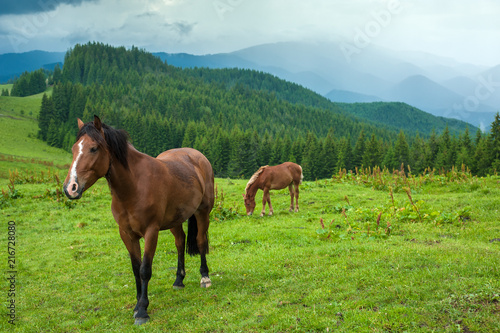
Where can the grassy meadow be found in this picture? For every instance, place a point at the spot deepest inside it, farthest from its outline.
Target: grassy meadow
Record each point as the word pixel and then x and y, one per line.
pixel 371 251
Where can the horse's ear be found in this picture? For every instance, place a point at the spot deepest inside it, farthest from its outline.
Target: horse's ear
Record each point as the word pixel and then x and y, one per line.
pixel 80 124
pixel 97 123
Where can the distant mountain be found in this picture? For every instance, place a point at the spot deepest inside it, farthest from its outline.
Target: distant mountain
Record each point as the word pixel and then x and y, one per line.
pixel 461 85
pixel 343 96
pixel 438 85
pixel 423 93
pixel 14 64
pixel 211 61
pixel 489 81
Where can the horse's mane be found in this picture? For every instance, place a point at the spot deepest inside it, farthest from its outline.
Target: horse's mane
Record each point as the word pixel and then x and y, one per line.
pixel 254 177
pixel 116 141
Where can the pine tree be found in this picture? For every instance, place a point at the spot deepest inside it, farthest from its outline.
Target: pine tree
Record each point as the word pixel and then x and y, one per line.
pixel 21 87
pixel 482 160
pixel 286 149
pixel 235 165
pixel 189 134
pixel 401 151
pixel 276 151
pixel 329 154
pixel 464 150
pixel 310 163
pixel 248 154
pixel 298 148
pixel 389 160
pixel 37 82
pixel 432 150
pixel 57 76
pixel 372 155
pixel 220 154
pixel 344 155
pixel 445 156
pixel 494 137
pixel 265 148
pixel 359 150
pixel 46 114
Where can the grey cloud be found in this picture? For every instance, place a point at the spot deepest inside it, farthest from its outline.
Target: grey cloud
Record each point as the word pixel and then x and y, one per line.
pixel 20 7
pixel 183 28
pixel 82 36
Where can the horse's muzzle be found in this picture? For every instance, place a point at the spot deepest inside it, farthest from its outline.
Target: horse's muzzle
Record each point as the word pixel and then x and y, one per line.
pixel 73 191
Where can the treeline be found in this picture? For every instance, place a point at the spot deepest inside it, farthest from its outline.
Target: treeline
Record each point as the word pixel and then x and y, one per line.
pixel 34 83
pixel 239 119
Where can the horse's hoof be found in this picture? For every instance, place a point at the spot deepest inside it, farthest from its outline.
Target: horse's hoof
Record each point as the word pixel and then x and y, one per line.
pixel 178 287
pixel 205 282
pixel 140 321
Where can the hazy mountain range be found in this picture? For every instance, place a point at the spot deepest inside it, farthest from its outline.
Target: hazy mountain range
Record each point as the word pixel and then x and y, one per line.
pixel 437 85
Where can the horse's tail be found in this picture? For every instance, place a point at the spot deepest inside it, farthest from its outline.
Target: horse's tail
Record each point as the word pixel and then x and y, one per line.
pixel 301 175
pixel 192 245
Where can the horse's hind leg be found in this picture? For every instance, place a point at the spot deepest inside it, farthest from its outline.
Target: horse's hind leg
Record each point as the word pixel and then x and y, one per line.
pixel 201 221
pixel 290 189
pixel 271 210
pixel 180 244
pixel 296 185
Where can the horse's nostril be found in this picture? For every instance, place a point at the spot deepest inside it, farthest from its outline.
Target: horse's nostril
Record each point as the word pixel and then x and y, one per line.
pixel 74 188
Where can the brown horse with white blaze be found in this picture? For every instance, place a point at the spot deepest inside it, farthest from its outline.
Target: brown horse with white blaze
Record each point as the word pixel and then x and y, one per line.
pixel 148 195
pixel 273 178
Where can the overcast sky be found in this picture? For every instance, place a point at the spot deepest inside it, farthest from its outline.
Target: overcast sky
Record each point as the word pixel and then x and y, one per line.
pixel 468 31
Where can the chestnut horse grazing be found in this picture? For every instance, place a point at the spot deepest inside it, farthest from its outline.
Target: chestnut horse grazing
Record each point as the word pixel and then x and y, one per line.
pixel 148 195
pixel 273 178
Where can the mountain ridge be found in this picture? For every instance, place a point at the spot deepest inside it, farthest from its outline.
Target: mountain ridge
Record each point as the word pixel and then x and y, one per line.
pixel 376 72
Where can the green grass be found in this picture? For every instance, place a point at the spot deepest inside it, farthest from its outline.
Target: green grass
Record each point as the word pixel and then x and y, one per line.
pixel 18 138
pixel 269 274
pixel 275 274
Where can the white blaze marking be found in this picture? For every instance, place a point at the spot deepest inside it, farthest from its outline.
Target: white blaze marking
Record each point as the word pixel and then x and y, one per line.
pixel 73 169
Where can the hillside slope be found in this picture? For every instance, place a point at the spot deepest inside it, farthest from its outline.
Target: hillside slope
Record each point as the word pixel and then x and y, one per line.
pixel 405 117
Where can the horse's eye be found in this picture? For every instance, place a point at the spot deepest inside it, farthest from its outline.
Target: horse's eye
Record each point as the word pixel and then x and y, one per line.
pixel 94 149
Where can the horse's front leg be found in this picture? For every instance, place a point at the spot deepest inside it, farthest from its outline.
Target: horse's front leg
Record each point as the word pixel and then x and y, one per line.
pixel 134 249
pixel 180 244
pixel 266 198
pixel 150 241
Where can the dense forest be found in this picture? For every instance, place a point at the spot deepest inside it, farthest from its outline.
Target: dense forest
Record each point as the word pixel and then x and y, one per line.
pixel 29 84
pixel 241 119
pixel 406 117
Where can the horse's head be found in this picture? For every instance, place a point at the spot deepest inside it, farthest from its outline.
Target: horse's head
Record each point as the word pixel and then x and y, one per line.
pixel 91 159
pixel 249 203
